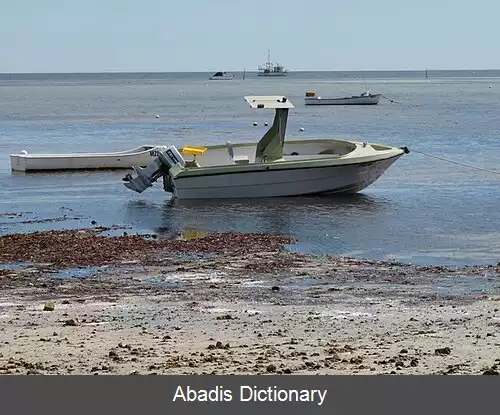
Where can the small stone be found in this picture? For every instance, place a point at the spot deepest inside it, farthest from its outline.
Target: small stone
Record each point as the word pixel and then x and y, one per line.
pixel 225 317
pixel 271 368
pixel 71 322
pixel 356 360
pixel 414 363
pixel 275 288
pixel 50 306
pixel 442 351
pixel 491 372
pixel 403 351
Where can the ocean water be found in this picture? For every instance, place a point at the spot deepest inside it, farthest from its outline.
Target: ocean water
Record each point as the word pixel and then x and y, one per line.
pixel 422 210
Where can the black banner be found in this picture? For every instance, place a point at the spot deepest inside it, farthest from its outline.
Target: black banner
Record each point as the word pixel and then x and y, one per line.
pixel 248 394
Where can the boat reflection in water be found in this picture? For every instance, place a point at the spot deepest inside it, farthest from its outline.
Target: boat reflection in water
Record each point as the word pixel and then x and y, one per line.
pixel 322 224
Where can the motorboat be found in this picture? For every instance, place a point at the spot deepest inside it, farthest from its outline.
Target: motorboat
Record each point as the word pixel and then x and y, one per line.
pixel 270 167
pixel 222 76
pixel 365 98
pixel 271 69
pixel 139 156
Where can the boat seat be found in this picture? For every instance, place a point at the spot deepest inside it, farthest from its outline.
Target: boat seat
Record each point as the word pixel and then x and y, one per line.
pixel 194 150
pixel 243 159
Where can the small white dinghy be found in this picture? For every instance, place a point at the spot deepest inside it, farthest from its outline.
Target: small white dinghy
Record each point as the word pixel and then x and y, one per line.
pixel 269 168
pixel 139 156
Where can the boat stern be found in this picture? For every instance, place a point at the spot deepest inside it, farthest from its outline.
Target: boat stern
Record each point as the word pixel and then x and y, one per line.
pixel 18 161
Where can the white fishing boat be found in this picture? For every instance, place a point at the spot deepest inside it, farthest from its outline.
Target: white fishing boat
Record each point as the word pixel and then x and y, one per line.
pixel 224 76
pixel 269 168
pixel 271 69
pixel 139 156
pixel 366 98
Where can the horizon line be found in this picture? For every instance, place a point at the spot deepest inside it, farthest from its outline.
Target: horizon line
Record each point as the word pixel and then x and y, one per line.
pixel 244 70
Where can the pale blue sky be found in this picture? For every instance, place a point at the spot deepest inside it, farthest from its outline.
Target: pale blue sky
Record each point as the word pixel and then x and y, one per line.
pixel 210 35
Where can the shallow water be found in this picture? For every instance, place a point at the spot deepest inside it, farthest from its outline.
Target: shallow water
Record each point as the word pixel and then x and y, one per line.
pixel 422 210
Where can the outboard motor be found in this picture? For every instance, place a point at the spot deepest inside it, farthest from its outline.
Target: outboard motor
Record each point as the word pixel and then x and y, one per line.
pixel 168 162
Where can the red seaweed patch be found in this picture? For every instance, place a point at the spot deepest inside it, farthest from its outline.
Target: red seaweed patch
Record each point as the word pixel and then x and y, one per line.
pixel 88 247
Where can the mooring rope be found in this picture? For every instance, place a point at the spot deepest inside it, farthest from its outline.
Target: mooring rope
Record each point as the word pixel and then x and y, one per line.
pixel 390 100
pixel 457 162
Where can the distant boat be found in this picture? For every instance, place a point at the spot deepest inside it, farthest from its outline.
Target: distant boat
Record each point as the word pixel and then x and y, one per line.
pixel 272 69
pixel 366 98
pixel 222 76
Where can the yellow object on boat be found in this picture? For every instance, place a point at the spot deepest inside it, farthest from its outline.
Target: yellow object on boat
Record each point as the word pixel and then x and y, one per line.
pixel 310 94
pixel 194 150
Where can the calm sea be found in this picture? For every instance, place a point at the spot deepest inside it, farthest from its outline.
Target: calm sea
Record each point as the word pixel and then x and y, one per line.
pixel 422 210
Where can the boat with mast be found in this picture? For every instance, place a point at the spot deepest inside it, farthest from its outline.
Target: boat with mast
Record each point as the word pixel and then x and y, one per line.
pixel 272 69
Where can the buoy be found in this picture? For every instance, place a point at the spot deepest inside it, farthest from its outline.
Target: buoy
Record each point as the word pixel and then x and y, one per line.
pixel 255 124
pixel 490 86
pixel 266 124
pixel 301 128
pixel 157 116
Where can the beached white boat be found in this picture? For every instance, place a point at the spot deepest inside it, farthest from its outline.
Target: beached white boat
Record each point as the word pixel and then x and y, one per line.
pixel 224 76
pixel 139 156
pixel 269 168
pixel 366 98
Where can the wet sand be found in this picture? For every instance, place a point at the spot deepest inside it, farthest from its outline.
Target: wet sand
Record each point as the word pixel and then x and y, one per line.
pixel 235 304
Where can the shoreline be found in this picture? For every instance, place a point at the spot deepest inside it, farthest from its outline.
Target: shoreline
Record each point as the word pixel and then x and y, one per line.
pixel 233 303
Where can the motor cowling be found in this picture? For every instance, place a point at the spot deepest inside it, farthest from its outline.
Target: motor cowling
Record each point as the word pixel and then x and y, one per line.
pixel 169 161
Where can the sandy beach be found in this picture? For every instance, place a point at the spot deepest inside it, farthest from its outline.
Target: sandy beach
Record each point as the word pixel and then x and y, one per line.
pixel 80 302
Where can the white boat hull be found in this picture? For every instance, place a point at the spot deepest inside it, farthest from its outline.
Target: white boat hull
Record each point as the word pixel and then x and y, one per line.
pixel 336 178
pixel 356 100
pixel 221 78
pixel 273 74
pixel 140 156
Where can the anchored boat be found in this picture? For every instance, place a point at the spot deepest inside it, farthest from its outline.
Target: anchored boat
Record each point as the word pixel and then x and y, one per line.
pixel 222 76
pixel 269 168
pixel 272 69
pixel 139 156
pixel 366 98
